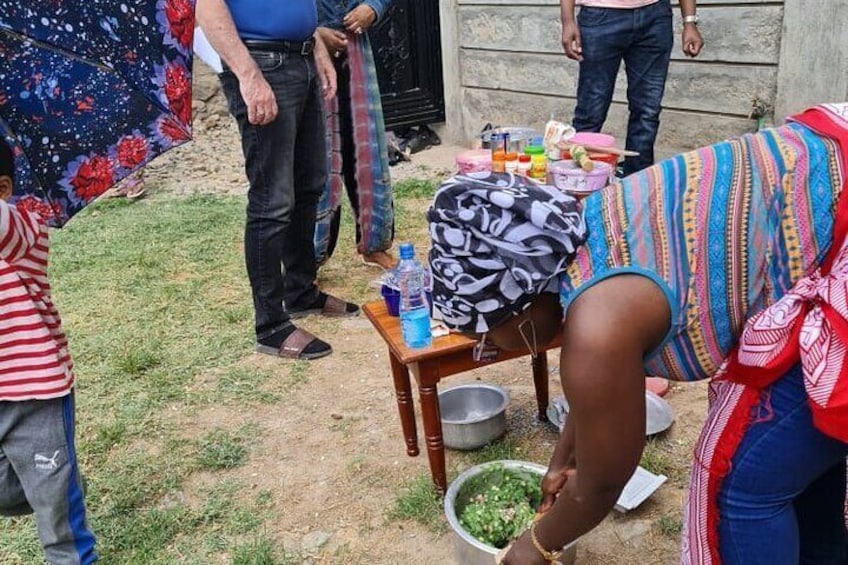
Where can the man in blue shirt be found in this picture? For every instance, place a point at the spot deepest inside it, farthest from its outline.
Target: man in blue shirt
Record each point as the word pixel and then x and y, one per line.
pixel 275 73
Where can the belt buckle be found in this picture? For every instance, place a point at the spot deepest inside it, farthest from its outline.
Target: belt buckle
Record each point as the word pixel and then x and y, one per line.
pixel 307 47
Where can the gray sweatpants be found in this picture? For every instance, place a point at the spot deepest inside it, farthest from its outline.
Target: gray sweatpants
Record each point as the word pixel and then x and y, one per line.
pixel 39 473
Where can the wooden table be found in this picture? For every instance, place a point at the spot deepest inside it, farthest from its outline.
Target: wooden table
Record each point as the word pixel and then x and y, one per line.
pixel 448 355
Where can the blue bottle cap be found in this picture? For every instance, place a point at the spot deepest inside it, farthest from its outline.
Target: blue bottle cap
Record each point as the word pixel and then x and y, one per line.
pixel 407 251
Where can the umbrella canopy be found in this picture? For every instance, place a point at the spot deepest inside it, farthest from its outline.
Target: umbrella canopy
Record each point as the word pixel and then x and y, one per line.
pixel 90 91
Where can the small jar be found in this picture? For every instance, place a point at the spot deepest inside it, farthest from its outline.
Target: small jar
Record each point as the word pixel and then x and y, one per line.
pixel 538 162
pixel 498 162
pixel 511 162
pixel 524 165
pixel 499 141
pixel 539 167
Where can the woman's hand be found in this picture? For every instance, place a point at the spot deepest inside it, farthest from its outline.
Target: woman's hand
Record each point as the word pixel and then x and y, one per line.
pixel 335 41
pixel 552 483
pixel 563 466
pixel 360 19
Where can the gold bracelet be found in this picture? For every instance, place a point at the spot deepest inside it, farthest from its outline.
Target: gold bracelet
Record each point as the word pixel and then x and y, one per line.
pixel 549 556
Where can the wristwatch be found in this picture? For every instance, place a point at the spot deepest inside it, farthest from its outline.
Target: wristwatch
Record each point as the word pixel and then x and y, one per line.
pixel 693 19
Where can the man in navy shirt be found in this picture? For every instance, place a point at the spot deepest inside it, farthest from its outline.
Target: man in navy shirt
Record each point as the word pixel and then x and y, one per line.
pixel 275 73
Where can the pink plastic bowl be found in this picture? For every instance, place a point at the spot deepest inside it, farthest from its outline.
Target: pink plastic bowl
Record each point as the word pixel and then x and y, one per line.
pixel 568 177
pixel 474 161
pixel 593 139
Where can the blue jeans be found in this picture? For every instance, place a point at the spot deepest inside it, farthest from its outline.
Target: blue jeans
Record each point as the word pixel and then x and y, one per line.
pixel 286 166
pixel 783 500
pixel 642 38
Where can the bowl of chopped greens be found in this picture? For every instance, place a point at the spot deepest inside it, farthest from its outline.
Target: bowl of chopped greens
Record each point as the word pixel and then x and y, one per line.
pixel 491 505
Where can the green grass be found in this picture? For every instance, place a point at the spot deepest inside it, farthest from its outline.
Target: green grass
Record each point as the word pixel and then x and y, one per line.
pixel 415 188
pixel 18 542
pixel 157 307
pixel 657 459
pixel 418 501
pixel 255 552
pixel 299 374
pixel 135 361
pixel 224 449
pixel 154 297
pixel 505 448
pixel 247 385
pixel 669 526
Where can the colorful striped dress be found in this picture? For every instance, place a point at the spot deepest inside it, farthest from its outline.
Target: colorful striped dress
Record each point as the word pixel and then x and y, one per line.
pixel 724 231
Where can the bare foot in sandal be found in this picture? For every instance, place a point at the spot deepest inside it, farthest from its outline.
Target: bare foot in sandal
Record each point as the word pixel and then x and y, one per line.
pixel 131 187
pixel 381 259
pixel 135 188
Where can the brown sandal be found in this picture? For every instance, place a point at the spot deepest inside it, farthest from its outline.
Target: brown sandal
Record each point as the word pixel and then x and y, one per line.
pixel 333 308
pixel 293 347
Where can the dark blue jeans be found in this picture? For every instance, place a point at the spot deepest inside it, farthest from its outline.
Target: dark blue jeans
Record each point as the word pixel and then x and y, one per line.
pixel 286 166
pixel 783 501
pixel 642 38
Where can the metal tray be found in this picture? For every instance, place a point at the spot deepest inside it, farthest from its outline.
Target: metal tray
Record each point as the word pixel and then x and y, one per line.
pixel 658 413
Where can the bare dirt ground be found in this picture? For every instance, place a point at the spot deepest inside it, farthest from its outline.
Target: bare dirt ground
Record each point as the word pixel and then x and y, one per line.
pixel 332 453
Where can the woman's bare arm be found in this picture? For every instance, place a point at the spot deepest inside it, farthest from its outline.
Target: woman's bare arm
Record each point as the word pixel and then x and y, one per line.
pixel 608 330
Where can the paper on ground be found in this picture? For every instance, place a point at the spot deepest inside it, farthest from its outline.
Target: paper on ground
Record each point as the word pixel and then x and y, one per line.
pixel 641 485
pixel 204 50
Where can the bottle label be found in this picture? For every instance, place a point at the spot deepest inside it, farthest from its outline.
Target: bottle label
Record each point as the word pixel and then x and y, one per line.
pixel 415 326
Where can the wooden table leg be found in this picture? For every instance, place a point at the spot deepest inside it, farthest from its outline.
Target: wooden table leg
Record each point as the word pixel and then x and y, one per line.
pixel 540 381
pixel 403 392
pixel 429 397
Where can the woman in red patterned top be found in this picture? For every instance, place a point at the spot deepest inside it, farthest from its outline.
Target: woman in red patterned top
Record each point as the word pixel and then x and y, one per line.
pixel 38 466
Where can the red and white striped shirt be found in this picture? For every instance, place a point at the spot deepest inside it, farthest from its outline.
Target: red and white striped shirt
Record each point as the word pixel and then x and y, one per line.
pixel 34 358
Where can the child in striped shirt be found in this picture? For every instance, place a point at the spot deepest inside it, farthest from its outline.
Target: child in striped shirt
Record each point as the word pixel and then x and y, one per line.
pixel 38 466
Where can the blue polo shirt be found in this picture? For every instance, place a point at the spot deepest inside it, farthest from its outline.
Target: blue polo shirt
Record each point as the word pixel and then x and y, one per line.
pixel 274 20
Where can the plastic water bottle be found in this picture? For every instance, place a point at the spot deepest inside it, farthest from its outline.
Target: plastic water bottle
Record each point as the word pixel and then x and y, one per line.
pixel 414 308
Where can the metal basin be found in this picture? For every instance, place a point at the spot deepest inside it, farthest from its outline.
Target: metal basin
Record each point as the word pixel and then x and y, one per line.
pixel 472 415
pixel 519 137
pixel 658 413
pixel 471 551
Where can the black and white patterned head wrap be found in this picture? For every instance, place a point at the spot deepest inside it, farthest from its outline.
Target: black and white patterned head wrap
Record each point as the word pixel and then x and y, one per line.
pixel 498 241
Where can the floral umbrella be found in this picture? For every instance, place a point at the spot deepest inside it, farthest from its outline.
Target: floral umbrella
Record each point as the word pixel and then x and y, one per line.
pixel 90 91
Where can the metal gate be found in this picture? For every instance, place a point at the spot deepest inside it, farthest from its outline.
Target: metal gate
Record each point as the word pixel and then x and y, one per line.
pixel 408 53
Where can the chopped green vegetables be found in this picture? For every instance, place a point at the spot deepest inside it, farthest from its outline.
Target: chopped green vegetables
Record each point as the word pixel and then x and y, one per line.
pixel 499 504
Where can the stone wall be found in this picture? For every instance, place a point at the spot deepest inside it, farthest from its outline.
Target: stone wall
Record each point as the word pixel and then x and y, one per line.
pixel 503 63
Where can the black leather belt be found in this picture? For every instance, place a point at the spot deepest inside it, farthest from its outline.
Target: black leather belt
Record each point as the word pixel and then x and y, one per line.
pixel 299 47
